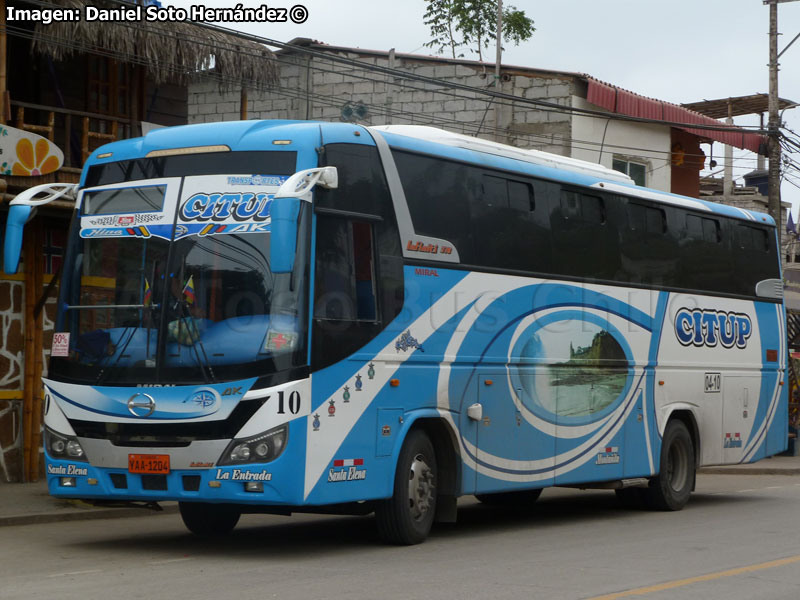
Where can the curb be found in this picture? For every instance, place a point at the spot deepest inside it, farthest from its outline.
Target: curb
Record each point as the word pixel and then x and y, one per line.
pixel 85 515
pixel 748 471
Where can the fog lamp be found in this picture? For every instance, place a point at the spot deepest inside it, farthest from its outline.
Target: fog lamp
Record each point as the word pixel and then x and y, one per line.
pixel 253 486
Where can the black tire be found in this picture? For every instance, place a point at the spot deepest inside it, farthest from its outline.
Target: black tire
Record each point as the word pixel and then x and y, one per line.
pixel 209 520
pixel 520 499
pixel 406 518
pixel 670 489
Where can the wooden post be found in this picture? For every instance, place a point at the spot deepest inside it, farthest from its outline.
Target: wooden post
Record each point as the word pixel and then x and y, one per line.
pixel 38 361
pixel 32 378
pixel 67 140
pixel 85 140
pixel 51 126
pixel 243 104
pixel 29 372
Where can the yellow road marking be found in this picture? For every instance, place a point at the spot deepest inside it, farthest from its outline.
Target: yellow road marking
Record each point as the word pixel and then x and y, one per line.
pixel 669 585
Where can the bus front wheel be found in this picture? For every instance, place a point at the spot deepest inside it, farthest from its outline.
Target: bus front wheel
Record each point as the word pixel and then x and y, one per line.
pixel 670 489
pixel 406 518
pixel 208 520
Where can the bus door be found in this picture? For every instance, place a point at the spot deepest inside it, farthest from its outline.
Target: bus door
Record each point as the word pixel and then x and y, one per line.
pixel 512 450
pixel 739 404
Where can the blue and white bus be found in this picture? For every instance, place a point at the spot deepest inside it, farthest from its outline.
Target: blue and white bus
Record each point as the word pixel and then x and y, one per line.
pixel 279 317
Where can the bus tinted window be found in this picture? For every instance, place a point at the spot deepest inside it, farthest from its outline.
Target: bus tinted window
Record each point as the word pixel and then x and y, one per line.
pixel 211 163
pixel 510 221
pixel 751 238
pixel 359 266
pixel 439 194
pixel 362 188
pixel 646 219
pixel 520 196
pixel 755 256
pixel 583 244
pixel 495 192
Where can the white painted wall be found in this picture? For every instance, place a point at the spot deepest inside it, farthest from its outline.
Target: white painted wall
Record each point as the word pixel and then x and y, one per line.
pixel 637 142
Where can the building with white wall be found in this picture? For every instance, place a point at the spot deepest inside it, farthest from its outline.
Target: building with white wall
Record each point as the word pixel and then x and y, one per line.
pixel 570 114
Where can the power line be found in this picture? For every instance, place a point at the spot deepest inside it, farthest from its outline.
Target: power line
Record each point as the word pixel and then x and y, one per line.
pixel 446 88
pixel 534 139
pixel 398 73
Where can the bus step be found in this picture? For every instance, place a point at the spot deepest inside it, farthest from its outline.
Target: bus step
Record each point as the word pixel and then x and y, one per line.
pixel 611 485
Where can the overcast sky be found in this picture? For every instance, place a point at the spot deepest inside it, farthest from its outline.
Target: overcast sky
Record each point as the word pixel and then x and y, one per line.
pixel 679 51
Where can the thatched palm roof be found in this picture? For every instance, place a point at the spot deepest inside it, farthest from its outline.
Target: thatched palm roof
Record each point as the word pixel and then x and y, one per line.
pixel 175 52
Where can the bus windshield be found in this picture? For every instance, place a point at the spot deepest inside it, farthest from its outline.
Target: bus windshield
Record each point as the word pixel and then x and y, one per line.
pixel 183 300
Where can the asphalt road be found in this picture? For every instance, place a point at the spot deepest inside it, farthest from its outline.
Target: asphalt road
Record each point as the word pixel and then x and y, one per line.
pixel 738 537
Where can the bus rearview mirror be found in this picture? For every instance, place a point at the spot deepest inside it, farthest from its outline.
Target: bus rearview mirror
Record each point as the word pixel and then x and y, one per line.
pixel 283 241
pixel 18 215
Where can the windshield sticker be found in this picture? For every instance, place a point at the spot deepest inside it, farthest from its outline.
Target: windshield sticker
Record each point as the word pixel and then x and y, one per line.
pixel 276 180
pixel 221 207
pixel 124 220
pixel 60 346
pixel 209 206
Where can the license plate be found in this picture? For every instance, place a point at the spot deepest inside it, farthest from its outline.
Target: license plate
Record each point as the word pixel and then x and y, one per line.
pixel 148 463
pixel 713 383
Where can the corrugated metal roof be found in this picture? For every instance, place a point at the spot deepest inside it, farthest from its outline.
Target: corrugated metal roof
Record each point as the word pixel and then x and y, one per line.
pixel 624 102
pixel 737 106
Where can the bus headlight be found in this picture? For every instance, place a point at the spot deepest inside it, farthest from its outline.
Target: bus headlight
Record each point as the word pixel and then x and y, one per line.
pixel 260 448
pixel 64 447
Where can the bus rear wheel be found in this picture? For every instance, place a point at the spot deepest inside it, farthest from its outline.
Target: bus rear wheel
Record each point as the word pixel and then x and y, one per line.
pixel 209 520
pixel 406 518
pixel 519 499
pixel 670 489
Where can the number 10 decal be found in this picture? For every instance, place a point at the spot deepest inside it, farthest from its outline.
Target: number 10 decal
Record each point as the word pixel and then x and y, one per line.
pixel 294 402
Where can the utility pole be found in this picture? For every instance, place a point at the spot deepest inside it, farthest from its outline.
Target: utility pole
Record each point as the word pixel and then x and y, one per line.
pixel 497 81
pixel 773 123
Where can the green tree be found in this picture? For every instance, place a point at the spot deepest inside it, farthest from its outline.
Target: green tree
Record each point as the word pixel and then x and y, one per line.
pixel 441 19
pixel 472 24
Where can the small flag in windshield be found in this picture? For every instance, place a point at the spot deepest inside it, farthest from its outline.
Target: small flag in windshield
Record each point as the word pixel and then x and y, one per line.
pixel 188 290
pixel 148 293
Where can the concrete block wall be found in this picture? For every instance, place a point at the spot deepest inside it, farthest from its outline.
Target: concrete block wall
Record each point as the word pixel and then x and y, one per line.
pixel 329 88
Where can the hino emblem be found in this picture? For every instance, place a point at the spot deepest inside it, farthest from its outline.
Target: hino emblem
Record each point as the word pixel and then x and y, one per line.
pixel 141 405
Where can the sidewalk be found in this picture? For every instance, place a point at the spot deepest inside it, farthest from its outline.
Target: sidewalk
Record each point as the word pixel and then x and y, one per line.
pixel 29 503
pixel 775 465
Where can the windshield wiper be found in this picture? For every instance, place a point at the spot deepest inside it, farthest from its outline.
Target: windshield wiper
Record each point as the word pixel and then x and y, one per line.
pixel 83 306
pixel 186 320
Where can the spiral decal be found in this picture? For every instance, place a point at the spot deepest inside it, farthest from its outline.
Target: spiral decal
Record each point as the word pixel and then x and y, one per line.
pixel 571 373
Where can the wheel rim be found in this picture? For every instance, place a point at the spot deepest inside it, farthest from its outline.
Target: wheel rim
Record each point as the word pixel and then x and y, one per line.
pixel 421 488
pixel 677 466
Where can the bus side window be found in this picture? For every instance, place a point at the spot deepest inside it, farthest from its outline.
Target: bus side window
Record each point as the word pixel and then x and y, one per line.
pixel 520 196
pixel 345 284
pixel 495 192
pixel 752 238
pixel 646 219
pixel 500 192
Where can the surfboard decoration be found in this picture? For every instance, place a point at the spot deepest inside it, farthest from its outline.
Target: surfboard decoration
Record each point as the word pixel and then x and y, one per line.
pixel 27 154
